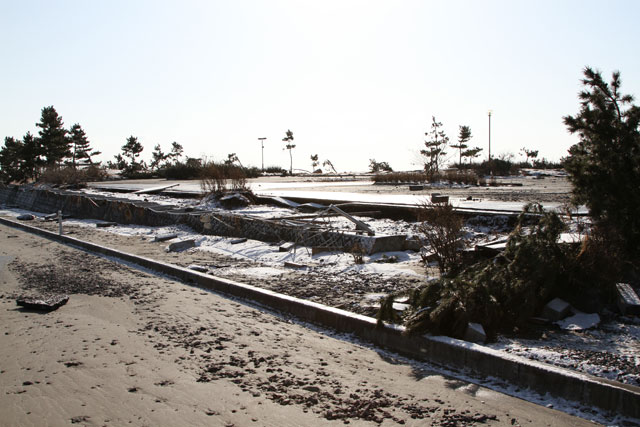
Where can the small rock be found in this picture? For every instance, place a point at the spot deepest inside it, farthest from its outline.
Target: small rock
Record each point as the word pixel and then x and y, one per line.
pixel 475 333
pixel 438 198
pixel 181 245
pixel 286 247
pixel 164 237
pixel 556 309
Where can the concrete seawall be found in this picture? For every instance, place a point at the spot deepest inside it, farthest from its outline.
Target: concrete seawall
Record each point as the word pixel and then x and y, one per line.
pixel 474 359
pixel 124 211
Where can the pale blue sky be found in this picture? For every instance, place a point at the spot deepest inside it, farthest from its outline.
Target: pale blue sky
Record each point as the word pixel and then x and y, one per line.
pixel 353 80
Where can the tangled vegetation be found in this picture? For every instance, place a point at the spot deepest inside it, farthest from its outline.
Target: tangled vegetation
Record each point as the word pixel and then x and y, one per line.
pixel 504 292
pixel 442 231
pixel 219 177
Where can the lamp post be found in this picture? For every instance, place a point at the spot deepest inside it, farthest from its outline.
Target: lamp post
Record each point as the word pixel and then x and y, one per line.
pixel 262 142
pixel 490 135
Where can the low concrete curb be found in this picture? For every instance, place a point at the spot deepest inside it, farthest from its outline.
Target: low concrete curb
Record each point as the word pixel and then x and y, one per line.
pixel 477 360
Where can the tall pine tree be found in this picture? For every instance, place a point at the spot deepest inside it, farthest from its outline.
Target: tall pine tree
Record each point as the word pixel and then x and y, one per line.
pixel 81 151
pixel 131 150
pixel 289 145
pixel 604 165
pixel 29 157
pixel 464 135
pixel 435 149
pixel 53 145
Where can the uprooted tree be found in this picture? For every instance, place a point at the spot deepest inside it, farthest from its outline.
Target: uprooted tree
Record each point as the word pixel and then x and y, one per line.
pixel 504 292
pixel 604 166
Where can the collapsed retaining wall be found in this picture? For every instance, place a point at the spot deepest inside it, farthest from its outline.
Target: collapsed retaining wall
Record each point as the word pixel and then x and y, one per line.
pixel 124 211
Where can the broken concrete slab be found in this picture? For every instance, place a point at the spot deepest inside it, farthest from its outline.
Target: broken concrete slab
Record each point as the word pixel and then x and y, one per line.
pixel 628 300
pixel 392 243
pixel 181 245
pixel 43 303
pixel 439 198
pixel 491 249
pixel 155 189
pixel 286 247
pixel 412 243
pixel 234 200
pixel 475 333
pixel 556 309
pixel 165 237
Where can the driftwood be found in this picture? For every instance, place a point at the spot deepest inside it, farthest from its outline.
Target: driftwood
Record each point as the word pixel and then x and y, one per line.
pixel 44 303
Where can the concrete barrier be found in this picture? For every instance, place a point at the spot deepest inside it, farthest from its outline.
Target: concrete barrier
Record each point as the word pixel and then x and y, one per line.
pixel 227 224
pixel 474 359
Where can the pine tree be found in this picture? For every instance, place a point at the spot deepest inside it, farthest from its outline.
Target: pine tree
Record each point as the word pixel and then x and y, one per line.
pixel 29 156
pixel 435 149
pixel 176 152
pixel 314 163
pixel 157 157
pixel 529 154
pixel 464 135
pixel 471 153
pixel 53 145
pixel 604 166
pixel 80 146
pixel 131 150
pixel 289 146
pixel 11 169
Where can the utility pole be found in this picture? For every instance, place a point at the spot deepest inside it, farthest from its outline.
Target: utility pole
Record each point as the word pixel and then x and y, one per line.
pixel 490 135
pixel 262 142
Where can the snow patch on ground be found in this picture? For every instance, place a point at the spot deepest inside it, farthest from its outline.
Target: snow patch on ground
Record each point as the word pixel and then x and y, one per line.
pixel 579 322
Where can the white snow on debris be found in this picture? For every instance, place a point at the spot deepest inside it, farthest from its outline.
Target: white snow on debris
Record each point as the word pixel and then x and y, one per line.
pixel 579 322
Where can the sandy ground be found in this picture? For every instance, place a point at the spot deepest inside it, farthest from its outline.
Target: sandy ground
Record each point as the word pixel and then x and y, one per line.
pixel 133 348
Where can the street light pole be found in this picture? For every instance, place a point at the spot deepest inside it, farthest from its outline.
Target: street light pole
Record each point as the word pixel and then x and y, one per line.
pixel 490 135
pixel 262 142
